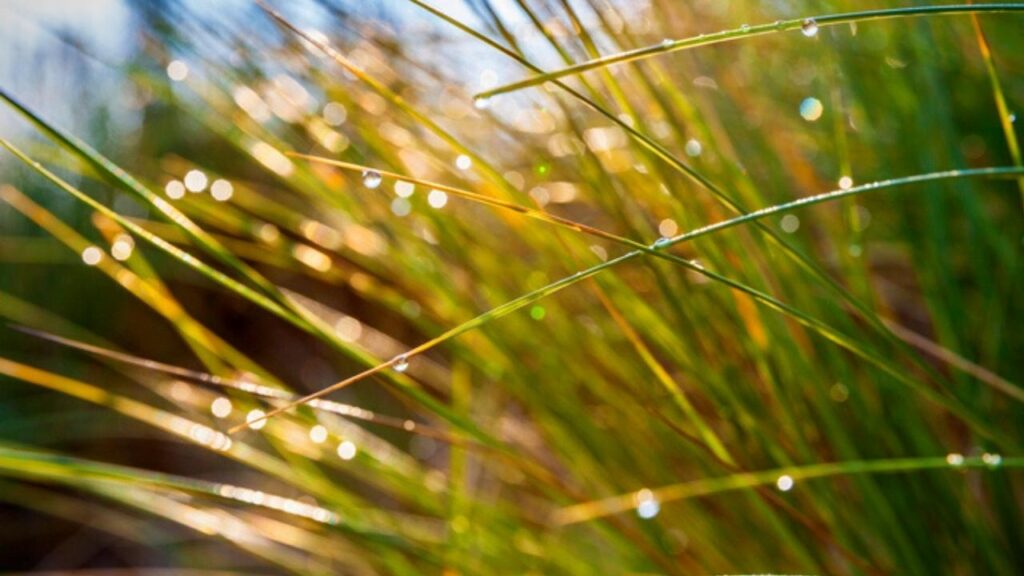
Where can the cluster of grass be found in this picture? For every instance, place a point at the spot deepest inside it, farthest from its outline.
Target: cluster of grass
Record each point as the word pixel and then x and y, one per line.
pixel 530 287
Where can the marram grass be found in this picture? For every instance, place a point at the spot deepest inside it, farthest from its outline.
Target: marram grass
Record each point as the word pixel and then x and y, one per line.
pixel 354 298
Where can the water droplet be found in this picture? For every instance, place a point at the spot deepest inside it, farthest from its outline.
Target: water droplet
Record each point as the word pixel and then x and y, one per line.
pixel 195 181
pixel 811 109
pixel 954 459
pixel 809 27
pixel 255 419
pixel 481 102
pixel 437 198
pixel 668 228
pixel 221 407
pixel 662 242
pixel 371 178
pixel 991 460
pixel 401 363
pixel 175 189
pixel 745 28
pixel 177 70
pixel 404 189
pixel 647 506
pixel 1012 117
pixel 221 190
pixel 785 483
pixel 693 148
pixel 845 183
pixel 667 42
pixel 346 450
pixel 92 255
pixel 318 433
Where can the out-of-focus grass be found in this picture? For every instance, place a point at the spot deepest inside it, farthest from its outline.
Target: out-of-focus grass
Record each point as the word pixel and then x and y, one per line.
pixel 546 332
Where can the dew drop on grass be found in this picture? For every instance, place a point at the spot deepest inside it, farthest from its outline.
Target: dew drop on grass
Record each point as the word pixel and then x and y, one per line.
pixel 371 178
pixel 647 506
pixel 809 27
pixel 346 450
pixel 318 434
pixel 221 407
pixel 255 419
pixel 668 228
pixel 221 190
pixel 401 363
pixel 195 181
pixel 667 43
pixel 175 189
pixel 177 70
pixel 991 460
pixel 92 255
pixel 437 199
pixel 811 109
pixel 954 459
pixel 785 483
pixel 404 189
pixel 481 103
pixel 745 28
pixel 662 242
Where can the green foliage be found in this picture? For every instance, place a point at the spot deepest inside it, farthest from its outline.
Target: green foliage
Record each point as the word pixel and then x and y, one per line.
pixel 632 309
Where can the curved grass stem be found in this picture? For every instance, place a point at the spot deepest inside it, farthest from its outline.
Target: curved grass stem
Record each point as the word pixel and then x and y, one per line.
pixel 749 32
pixel 746 480
pixel 657 251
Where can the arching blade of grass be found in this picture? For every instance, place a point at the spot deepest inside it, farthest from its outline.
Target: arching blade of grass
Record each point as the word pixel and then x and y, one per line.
pixel 749 32
pixel 655 249
pixel 742 481
pixel 462 193
pixel 246 386
pixel 268 297
pixel 135 277
pixel 978 372
pixel 354 518
pixel 15 461
pixel 1005 116
pixel 156 493
pixel 802 260
pixel 252 296
pixel 182 256
pixel 118 176
pixel 935 350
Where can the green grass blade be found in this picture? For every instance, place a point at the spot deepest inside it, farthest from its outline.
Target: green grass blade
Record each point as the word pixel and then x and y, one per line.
pixel 750 32
pixel 710 486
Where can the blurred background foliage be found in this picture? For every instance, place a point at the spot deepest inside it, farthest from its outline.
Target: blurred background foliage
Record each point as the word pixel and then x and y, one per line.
pixel 645 375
